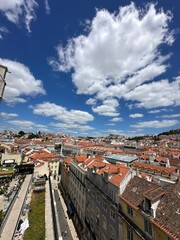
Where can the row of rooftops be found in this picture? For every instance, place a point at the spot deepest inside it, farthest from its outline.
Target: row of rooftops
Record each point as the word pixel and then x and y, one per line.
pixel 166 214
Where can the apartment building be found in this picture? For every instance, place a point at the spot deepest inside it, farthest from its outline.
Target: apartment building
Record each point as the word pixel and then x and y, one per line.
pixel 104 183
pixel 151 212
pixel 108 201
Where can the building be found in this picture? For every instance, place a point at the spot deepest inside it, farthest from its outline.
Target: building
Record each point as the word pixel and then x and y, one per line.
pixel 104 183
pixel 121 158
pixel 150 211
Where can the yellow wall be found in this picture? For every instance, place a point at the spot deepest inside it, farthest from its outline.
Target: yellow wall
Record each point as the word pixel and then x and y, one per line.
pixel 138 219
pixel 159 234
pixel 54 167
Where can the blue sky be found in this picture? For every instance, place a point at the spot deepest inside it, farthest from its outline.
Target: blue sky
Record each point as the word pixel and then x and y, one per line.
pixel 90 67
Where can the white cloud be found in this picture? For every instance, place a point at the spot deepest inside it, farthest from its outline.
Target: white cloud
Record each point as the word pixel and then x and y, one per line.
pixel 169 116
pixel 18 10
pixel 109 124
pixel 62 114
pixel 20 82
pixel 91 101
pixel 156 94
pixel 136 115
pixel 3 30
pixel 108 108
pixel 156 124
pixel 116 119
pixel 119 55
pixel 47 7
pixel 69 127
pixel 8 115
pixel 154 111
pixel 28 125
pixel 22 123
pixel 160 110
pixel 114 131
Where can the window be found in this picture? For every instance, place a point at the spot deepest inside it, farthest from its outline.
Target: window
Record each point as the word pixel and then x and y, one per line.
pixel 112 213
pixel 97 218
pixel 112 233
pixel 104 223
pixel 98 198
pixel 148 227
pixel 130 210
pixel 129 233
pixel 104 204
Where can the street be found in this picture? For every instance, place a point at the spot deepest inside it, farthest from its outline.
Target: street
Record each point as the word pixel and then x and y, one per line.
pixel 65 231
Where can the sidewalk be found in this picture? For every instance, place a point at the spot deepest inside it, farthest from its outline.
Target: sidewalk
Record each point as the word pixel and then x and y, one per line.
pixel 48 214
pixel 69 221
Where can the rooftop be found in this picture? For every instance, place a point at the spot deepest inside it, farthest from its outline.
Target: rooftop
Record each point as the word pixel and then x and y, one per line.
pixel 121 158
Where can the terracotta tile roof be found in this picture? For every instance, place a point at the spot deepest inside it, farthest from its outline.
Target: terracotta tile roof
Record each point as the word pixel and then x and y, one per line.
pixel 153 194
pixel 43 156
pixel 110 169
pixel 97 164
pixel 81 158
pixel 161 159
pixel 144 157
pixel 68 161
pixel 154 168
pixel 118 178
pixel 135 190
pixel 174 162
pixel 43 142
pixel 168 211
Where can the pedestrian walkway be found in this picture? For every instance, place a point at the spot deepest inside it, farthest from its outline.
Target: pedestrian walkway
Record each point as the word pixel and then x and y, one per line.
pixel 48 214
pixel 13 217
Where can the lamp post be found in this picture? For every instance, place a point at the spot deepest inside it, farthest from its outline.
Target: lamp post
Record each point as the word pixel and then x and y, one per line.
pixel 3 71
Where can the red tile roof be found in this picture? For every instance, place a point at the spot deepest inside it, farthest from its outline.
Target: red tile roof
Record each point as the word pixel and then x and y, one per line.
pixel 154 168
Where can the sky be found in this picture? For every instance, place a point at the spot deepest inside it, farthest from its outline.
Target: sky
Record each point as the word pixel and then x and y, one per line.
pixel 90 68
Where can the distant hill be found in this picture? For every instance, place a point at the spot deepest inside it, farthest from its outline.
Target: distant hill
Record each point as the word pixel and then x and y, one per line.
pixel 175 131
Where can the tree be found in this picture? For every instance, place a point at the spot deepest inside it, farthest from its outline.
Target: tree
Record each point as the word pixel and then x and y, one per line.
pixel 21 133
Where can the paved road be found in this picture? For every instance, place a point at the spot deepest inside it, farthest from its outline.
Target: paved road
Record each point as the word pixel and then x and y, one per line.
pixel 65 231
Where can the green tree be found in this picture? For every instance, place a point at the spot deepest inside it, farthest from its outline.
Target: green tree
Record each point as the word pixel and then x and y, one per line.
pixel 21 133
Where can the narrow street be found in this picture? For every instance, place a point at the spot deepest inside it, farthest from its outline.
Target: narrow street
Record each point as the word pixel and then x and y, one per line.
pixel 65 231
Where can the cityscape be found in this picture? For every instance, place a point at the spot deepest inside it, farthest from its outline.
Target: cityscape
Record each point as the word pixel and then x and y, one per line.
pixel 57 186
pixel 89 120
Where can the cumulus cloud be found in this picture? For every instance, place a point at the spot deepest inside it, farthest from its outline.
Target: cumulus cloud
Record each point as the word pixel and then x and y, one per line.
pixel 20 82
pixel 62 114
pixel 69 127
pixel 28 125
pixel 136 115
pixel 3 30
pixel 116 119
pixel 114 131
pixel 109 124
pixel 8 115
pixel 47 7
pixel 19 10
pixel 160 110
pixel 108 108
pixel 23 124
pixel 120 56
pixel 156 94
pixel 156 124
pixel 170 116
pixel 91 101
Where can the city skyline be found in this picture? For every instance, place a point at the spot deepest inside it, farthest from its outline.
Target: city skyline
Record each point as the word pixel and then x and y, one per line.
pixel 86 68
